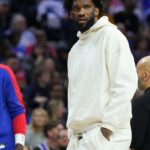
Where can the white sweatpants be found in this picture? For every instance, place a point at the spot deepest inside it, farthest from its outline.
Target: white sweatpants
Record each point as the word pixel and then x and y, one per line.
pixel 94 140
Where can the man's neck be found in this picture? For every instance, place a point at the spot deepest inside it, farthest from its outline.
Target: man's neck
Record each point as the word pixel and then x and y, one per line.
pixel 147 89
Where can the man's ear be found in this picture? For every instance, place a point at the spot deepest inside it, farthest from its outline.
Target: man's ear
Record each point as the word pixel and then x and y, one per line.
pixel 146 76
pixel 97 12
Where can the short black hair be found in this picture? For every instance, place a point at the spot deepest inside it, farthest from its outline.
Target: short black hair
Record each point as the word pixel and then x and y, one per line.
pixel 97 3
pixel 49 126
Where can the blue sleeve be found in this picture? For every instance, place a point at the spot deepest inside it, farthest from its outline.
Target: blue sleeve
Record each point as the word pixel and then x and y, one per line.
pixel 13 96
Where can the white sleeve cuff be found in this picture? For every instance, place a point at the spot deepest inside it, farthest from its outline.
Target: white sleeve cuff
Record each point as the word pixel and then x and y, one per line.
pixel 20 139
pixel 108 126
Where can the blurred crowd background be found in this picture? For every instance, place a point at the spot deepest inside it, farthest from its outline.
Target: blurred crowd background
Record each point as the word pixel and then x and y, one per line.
pixel 35 39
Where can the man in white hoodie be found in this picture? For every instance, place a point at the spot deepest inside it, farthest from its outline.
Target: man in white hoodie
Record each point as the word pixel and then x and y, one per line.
pixel 102 81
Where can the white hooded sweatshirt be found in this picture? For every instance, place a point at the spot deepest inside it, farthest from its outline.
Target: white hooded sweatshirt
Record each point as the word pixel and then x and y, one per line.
pixel 102 79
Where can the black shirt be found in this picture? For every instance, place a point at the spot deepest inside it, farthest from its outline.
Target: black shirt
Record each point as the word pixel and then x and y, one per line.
pixel 140 122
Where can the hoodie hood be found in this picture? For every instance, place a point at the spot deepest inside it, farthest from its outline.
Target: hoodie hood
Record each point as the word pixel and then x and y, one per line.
pixel 102 22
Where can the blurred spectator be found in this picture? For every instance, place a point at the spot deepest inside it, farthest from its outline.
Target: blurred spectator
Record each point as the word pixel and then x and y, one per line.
pixel 51 18
pixel 4 49
pixel 115 6
pixel 63 139
pixel 5 16
pixel 148 19
pixel 122 28
pixel 14 63
pixel 28 8
pixel 56 77
pixel 62 57
pixel 51 133
pixel 128 17
pixel 26 37
pixel 38 55
pixel 146 6
pixel 56 110
pixel 57 92
pixel 60 126
pixel 144 32
pixel 142 49
pixel 50 65
pixel 41 36
pixel 37 93
pixel 58 89
pixel 41 39
pixel 34 133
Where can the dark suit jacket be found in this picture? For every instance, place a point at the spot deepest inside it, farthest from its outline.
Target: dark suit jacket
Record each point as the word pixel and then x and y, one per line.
pixel 140 122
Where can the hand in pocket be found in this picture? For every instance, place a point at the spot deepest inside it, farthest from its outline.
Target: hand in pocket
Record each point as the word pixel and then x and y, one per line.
pixel 106 133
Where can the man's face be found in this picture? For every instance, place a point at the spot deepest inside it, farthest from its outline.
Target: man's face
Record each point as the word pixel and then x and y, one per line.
pixel 140 79
pixel 84 14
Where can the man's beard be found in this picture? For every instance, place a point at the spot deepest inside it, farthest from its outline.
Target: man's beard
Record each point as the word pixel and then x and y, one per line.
pixel 140 85
pixel 87 26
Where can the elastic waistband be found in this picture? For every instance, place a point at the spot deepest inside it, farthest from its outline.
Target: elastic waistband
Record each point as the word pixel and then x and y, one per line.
pixel 86 129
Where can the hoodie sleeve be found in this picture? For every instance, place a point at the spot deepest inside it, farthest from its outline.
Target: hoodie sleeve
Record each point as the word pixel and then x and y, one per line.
pixel 123 80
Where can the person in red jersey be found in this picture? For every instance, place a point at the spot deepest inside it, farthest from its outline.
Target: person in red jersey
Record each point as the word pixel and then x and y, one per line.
pixel 12 112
